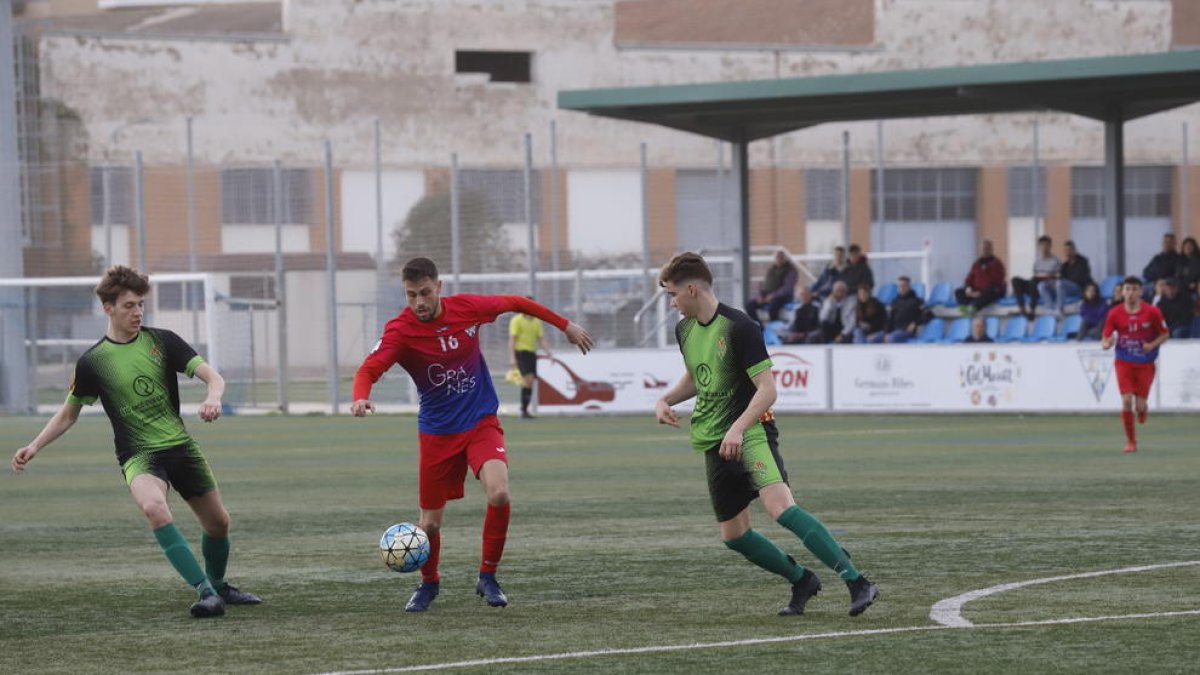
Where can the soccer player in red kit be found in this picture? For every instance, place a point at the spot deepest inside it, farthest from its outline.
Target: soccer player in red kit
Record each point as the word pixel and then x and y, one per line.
pixel 436 340
pixel 1140 330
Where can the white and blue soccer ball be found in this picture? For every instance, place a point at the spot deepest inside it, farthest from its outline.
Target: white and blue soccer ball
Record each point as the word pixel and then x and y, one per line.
pixel 405 547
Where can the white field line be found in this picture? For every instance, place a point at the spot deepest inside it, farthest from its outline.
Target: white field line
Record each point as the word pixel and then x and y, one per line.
pixel 948 612
pixel 749 642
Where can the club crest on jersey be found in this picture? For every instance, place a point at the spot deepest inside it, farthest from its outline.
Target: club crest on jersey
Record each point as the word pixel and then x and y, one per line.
pixel 722 346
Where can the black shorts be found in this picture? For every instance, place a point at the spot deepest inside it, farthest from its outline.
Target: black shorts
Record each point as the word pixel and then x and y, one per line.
pixel 526 362
pixel 182 467
pixel 731 483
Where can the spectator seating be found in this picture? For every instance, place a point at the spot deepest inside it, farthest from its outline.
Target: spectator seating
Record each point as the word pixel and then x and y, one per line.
pixel 958 331
pixel 773 332
pixel 942 294
pixel 1109 285
pixel 931 331
pixel 1014 329
pixel 886 293
pixel 992 326
pixel 1071 324
pixel 919 288
pixel 1043 329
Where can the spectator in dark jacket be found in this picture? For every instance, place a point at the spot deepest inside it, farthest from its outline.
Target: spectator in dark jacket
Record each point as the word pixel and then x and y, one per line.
pixel 776 289
pixel 858 272
pixel 978 331
pixel 1164 265
pixel 1189 267
pixel 1092 312
pixel 870 315
pixel 832 273
pixel 1075 273
pixel 1177 309
pixel 837 316
pixel 905 317
pixel 806 321
pixel 985 282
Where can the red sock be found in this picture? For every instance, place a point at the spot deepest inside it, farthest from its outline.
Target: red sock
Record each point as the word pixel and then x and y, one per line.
pixel 429 571
pixel 495 533
pixel 1142 415
pixel 1127 420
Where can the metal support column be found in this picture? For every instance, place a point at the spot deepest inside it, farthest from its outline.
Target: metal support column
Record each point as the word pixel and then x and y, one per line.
pixel 1114 192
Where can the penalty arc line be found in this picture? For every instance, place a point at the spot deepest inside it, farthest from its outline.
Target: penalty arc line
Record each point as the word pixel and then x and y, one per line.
pixel 948 612
pixel 750 642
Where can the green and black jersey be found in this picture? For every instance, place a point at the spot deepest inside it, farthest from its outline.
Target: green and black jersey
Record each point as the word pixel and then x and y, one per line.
pixel 722 357
pixel 136 383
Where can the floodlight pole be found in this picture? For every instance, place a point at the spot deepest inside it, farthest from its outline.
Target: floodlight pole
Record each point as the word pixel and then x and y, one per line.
pixel 741 158
pixel 1114 190
pixel 14 374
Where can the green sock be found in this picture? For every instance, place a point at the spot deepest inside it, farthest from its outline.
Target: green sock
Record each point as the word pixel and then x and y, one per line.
pixel 764 553
pixel 216 556
pixel 180 555
pixel 819 541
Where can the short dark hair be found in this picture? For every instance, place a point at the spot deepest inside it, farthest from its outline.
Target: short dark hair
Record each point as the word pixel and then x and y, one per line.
pixel 904 277
pixel 864 287
pixel 840 248
pixel 1136 281
pixel 419 269
pixel 119 279
pixel 1045 238
pixel 686 266
pixel 1069 242
pixel 855 248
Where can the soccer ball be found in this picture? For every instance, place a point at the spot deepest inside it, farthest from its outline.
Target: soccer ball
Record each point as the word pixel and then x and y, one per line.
pixel 405 547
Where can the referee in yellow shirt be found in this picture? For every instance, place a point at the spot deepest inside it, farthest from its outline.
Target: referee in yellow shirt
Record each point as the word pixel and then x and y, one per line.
pixel 524 334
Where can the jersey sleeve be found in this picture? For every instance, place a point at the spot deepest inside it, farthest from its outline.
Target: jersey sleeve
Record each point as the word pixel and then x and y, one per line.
pixel 382 357
pixel 85 387
pixel 1110 322
pixel 181 357
pixel 1158 321
pixel 750 349
pixel 488 307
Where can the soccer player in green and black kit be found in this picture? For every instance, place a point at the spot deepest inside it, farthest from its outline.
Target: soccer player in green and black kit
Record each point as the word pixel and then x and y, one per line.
pixel 132 372
pixel 729 373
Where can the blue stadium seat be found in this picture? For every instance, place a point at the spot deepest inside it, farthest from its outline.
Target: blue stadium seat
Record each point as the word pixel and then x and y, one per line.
pixel 1071 324
pixel 1108 285
pixel 919 288
pixel 1043 328
pixel 1070 298
pixel 1196 327
pixel 886 293
pixel 1007 301
pixel 958 331
pixel 1014 329
pixel 932 331
pixel 770 337
pixel 992 326
pixel 942 294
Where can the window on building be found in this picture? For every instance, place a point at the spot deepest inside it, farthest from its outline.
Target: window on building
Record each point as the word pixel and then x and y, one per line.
pixel 179 295
pixel 504 191
pixel 252 287
pixel 1026 193
pixel 823 194
pixel 498 66
pixel 925 195
pixel 111 195
pixel 1147 191
pixel 248 197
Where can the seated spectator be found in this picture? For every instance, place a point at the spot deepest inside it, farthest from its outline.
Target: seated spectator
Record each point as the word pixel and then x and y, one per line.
pixel 1118 296
pixel 1177 309
pixel 776 288
pixel 837 316
pixel 978 331
pixel 807 320
pixel 985 282
pixel 1160 289
pixel 858 272
pixel 1092 311
pixel 1075 273
pixel 870 317
pixel 832 273
pixel 905 317
pixel 1189 267
pixel 1045 273
pixel 1164 265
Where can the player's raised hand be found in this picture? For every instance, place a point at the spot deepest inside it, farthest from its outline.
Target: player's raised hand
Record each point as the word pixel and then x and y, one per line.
pixel 21 458
pixel 579 337
pixel 665 414
pixel 210 411
pixel 361 407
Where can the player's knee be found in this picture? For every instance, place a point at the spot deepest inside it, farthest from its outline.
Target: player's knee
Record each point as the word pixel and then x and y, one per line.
pixel 218 526
pixel 157 513
pixel 498 496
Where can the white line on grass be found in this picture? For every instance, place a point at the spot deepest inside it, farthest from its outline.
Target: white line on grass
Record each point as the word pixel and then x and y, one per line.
pixel 749 642
pixel 948 612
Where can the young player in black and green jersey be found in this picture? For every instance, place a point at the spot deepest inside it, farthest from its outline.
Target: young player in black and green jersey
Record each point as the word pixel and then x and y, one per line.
pixel 131 371
pixel 729 374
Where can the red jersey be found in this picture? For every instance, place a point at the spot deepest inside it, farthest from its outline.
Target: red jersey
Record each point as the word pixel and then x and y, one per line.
pixel 443 358
pixel 1135 329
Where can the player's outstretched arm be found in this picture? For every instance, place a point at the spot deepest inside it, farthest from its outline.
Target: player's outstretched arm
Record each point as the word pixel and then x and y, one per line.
pixel 57 426
pixel 361 407
pixel 210 409
pixel 579 337
pixel 684 389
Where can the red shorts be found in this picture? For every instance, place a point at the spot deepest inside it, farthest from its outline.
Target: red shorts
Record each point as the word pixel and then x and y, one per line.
pixel 1135 378
pixel 445 458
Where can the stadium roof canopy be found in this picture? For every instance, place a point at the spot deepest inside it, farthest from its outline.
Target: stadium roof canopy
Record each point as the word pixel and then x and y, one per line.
pixel 1111 89
pixel 1104 88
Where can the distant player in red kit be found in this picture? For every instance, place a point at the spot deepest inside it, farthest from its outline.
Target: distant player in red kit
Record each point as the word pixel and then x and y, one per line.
pixel 1140 330
pixel 436 340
